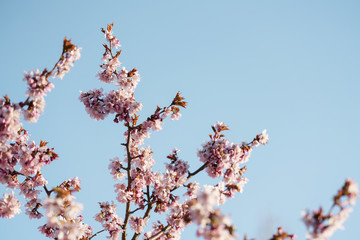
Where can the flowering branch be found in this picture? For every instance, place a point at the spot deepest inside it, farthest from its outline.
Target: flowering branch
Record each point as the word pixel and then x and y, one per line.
pixel 137 186
pixel 157 235
pixel 322 225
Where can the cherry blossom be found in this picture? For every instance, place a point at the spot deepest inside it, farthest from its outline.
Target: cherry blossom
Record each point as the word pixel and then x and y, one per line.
pixel 9 120
pixel 70 54
pixel 32 207
pixel 109 220
pixel 38 84
pixel 9 206
pixel 137 224
pixel 322 225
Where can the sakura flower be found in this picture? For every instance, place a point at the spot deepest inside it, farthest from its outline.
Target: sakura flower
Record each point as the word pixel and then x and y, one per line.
pixel 192 189
pixel 157 125
pixel 109 220
pixel 32 207
pixel 63 218
pixel 212 224
pixel 47 231
pixel 176 116
pixel 109 36
pixel 9 120
pixel 144 160
pixel 28 189
pixel 71 53
pixel 264 138
pixel 137 224
pixel 320 225
pixel 94 103
pixel 116 166
pixel 9 206
pixel 123 195
pixel 33 112
pixel 107 74
pixel 38 84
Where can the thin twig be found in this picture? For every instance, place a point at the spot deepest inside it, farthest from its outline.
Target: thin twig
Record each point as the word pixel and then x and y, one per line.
pixel 150 205
pixel 157 235
pixel 97 233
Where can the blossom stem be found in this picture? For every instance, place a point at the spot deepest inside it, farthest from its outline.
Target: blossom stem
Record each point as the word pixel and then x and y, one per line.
pixel 197 171
pixel 190 175
pixel 128 170
pixel 156 236
pixel 48 192
pixel 150 205
pixel 97 233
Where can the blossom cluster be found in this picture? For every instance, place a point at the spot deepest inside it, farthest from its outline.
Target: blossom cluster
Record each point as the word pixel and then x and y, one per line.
pixel 225 159
pixel 322 225
pixel 39 84
pixel 154 191
pixel 70 54
pixel 213 225
pixel 9 206
pixel 21 159
pixel 64 221
pixel 9 121
pixel 150 191
pixel 121 101
pixel 20 168
pixel 110 220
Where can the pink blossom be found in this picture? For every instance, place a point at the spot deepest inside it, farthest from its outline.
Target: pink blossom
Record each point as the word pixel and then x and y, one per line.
pixel 109 36
pixel 335 222
pixel 128 80
pixel 9 206
pixel 137 224
pixel 109 220
pixel 212 224
pixel 38 84
pixel 192 189
pixel 32 157
pixel 32 208
pixel 9 121
pixel 33 112
pixel 47 231
pixel 157 125
pixel 264 138
pixel 123 195
pixel 144 158
pixel 63 218
pixel 94 103
pixel 116 167
pixel 176 116
pixel 71 53
pixel 28 189
pixel 320 225
pixel 107 74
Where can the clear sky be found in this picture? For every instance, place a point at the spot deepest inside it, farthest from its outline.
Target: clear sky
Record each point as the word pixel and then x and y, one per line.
pixel 291 67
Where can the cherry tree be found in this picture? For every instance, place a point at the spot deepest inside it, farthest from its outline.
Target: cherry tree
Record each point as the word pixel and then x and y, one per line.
pixel 140 191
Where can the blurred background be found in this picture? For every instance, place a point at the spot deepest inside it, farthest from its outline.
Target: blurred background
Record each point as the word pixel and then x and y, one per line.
pixel 291 67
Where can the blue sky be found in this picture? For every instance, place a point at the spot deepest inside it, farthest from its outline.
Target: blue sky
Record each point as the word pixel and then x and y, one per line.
pixel 291 67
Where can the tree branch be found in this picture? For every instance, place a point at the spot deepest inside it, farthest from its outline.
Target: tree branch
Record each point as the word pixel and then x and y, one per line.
pixel 150 205
pixel 156 236
pixel 97 233
pixel 128 170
